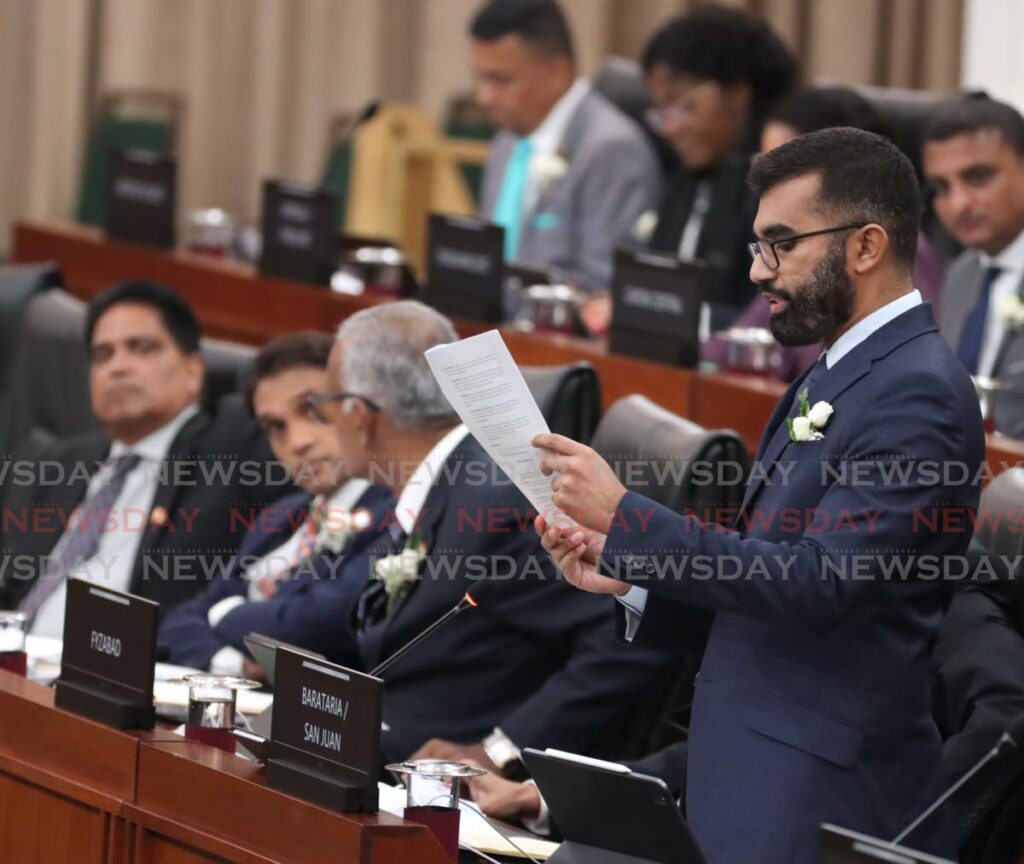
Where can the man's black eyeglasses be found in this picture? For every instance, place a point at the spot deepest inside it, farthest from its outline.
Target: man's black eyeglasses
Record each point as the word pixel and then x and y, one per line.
pixel 766 248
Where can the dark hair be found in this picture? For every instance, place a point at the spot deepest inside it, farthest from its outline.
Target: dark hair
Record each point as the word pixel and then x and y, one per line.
pixel 175 314
pixel 540 23
pixel 808 109
pixel 973 114
pixel 727 45
pixel 306 348
pixel 864 177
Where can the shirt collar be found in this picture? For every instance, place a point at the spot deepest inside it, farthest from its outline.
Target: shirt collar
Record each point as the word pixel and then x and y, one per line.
pixel 344 498
pixel 414 495
pixel 865 327
pixel 1010 258
pixel 547 137
pixel 155 445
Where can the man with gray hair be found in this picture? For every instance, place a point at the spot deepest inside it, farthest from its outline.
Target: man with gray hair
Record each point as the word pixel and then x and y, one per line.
pixel 533 666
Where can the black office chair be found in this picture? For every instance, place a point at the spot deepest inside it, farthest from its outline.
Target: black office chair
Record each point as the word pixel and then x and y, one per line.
pixel 18 285
pixel 568 396
pixel 621 82
pixel 50 371
pixel 662 451
pixel 669 457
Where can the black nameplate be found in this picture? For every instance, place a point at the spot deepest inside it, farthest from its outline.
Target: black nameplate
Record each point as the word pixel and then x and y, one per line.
pixel 141 197
pixel 465 268
pixel 298 233
pixel 109 656
pixel 325 733
pixel 656 308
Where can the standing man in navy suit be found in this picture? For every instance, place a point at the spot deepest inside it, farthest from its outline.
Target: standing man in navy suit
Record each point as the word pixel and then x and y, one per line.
pixel 813 702
pixel 303 561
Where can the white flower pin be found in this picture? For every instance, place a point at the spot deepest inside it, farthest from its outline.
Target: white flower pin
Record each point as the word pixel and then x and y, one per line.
pixel 807 425
pixel 336 528
pixel 643 228
pixel 548 168
pixel 399 571
pixel 1011 310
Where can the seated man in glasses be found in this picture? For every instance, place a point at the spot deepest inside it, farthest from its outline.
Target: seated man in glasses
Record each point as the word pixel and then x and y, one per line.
pixel 297 572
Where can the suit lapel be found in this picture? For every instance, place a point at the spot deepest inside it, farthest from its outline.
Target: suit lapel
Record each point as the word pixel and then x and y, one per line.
pixel 372 646
pixel 1007 359
pixel 570 138
pixel 834 382
pixel 162 514
pixel 960 293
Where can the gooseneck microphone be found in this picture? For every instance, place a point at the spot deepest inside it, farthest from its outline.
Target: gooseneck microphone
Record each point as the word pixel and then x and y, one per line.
pixel 470 600
pixel 1012 738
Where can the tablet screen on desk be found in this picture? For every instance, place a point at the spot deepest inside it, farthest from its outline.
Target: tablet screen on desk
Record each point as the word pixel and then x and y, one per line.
pixel 613 810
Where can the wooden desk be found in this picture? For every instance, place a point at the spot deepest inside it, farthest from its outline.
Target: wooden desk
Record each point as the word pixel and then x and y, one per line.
pixel 74 790
pixel 235 302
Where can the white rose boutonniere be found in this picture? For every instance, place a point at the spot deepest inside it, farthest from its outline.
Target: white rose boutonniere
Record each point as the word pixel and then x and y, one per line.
pixel 549 168
pixel 807 425
pixel 1011 310
pixel 644 226
pixel 336 527
pixel 399 571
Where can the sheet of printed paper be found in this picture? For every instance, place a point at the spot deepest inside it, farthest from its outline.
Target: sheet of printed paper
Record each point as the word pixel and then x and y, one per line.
pixel 485 387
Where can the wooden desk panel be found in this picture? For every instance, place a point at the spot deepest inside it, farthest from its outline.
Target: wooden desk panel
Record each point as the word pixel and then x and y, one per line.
pixel 214 804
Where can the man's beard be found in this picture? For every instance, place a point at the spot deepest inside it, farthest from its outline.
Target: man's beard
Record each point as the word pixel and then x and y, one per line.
pixel 820 307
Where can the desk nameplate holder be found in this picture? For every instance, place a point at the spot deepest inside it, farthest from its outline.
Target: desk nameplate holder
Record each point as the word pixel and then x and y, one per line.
pixel 465 268
pixel 325 733
pixel 109 656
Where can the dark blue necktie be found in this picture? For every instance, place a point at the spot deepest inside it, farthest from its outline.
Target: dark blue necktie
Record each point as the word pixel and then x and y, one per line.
pixel 973 334
pixel 372 606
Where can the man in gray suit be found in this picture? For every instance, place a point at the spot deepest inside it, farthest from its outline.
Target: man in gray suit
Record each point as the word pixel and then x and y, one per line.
pixel 568 173
pixel 974 162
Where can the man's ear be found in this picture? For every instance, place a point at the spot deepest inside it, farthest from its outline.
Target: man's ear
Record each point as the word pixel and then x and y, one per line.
pixel 196 370
pixel 870 246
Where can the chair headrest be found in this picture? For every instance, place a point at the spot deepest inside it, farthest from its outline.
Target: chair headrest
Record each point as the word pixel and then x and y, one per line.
pixel 995 530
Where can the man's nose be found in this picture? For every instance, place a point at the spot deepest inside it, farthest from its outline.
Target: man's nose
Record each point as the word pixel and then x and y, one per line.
pixel 760 273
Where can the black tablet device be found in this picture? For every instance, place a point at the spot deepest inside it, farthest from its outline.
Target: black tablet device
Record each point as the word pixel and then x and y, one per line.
pixel 608 814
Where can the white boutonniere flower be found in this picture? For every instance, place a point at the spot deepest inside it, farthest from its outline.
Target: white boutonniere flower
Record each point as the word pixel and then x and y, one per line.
pixel 549 168
pixel 399 571
pixel 336 528
pixel 644 226
pixel 1011 310
pixel 807 425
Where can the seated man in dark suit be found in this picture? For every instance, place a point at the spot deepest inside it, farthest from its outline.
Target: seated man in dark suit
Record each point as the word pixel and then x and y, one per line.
pixel 535 664
pixel 146 507
pixel 974 163
pixel 296 575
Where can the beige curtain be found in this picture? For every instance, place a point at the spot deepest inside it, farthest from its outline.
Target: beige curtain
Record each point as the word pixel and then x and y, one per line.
pixel 261 79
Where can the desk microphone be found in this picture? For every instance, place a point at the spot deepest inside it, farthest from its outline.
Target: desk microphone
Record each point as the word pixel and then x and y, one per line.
pixel 471 599
pixel 1012 738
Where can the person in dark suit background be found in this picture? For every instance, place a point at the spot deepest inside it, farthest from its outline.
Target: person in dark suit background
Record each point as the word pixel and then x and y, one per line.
pixel 712 73
pixel 535 664
pixel 974 163
pixel 813 703
pixel 301 565
pixel 808 109
pixel 147 505
pixel 568 173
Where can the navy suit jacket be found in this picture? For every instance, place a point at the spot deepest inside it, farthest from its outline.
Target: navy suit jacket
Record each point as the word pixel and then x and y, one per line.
pixel 311 609
pixel 537 658
pixel 813 700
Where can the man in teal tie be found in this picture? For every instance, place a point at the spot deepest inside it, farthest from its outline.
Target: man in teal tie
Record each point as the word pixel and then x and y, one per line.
pixel 568 174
